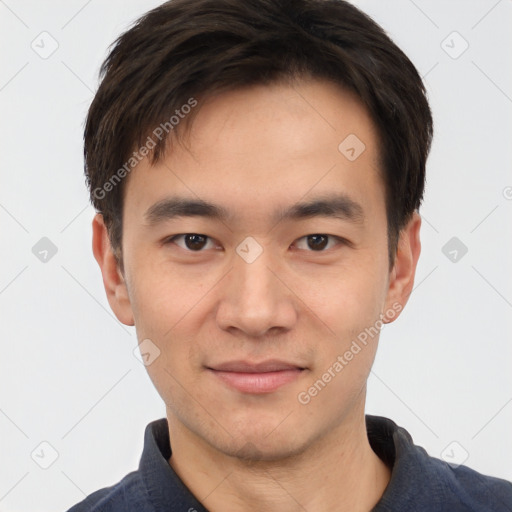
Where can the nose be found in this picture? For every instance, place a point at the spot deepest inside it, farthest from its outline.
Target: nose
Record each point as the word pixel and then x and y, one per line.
pixel 255 299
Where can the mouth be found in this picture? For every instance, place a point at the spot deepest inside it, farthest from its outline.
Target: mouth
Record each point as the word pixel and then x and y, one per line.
pixel 256 378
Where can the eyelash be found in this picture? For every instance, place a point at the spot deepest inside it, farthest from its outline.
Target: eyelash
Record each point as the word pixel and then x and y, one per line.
pixel 339 240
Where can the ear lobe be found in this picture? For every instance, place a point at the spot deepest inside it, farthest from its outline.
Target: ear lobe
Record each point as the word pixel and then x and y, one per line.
pixel 113 279
pixel 401 280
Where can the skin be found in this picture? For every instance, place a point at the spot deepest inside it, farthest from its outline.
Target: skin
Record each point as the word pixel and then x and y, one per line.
pixel 252 151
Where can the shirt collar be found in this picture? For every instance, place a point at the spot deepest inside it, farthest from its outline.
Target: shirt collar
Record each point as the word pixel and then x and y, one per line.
pixel 166 491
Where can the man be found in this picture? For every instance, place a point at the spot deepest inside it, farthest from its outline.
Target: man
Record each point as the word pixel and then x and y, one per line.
pixel 257 167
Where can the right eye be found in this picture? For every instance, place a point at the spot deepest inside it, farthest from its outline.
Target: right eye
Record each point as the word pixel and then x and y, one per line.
pixel 193 242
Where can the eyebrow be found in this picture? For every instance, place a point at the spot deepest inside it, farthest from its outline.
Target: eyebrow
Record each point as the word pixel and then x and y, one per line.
pixel 338 206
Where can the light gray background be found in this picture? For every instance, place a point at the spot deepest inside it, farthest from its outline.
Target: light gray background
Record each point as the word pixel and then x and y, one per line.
pixel 68 374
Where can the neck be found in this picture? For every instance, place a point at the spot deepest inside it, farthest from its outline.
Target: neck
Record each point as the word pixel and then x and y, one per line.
pixel 338 472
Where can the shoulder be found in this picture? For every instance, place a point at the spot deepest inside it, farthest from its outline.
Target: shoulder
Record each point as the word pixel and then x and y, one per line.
pixel 471 490
pixel 424 483
pixel 128 494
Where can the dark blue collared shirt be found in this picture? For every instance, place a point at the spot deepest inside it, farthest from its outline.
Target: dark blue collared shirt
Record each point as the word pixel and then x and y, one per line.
pixel 419 483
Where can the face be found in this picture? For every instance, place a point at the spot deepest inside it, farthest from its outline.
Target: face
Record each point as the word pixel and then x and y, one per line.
pixel 256 262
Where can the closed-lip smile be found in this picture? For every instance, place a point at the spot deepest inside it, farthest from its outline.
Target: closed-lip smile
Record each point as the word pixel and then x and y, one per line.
pixel 256 378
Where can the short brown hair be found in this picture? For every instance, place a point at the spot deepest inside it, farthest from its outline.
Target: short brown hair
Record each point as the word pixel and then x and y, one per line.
pixel 188 49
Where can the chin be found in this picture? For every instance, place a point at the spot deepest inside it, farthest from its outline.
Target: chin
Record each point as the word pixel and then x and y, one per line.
pixel 254 451
pixel 263 442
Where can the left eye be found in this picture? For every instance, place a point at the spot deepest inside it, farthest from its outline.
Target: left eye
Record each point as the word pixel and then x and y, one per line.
pixel 317 242
pixel 193 242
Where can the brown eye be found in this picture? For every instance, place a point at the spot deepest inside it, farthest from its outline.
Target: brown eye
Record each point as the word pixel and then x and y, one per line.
pixel 193 242
pixel 317 242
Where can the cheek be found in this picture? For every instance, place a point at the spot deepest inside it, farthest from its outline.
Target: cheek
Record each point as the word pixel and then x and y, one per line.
pixel 170 308
pixel 346 303
pixel 346 297
pixel 163 295
pixel 349 309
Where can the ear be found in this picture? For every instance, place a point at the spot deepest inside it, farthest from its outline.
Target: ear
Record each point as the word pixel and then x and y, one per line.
pixel 113 279
pixel 401 279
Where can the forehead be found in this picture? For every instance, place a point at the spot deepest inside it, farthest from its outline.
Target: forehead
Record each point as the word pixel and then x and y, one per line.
pixel 321 114
pixel 269 144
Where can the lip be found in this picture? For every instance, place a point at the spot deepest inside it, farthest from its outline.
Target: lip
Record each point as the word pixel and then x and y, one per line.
pixel 256 378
